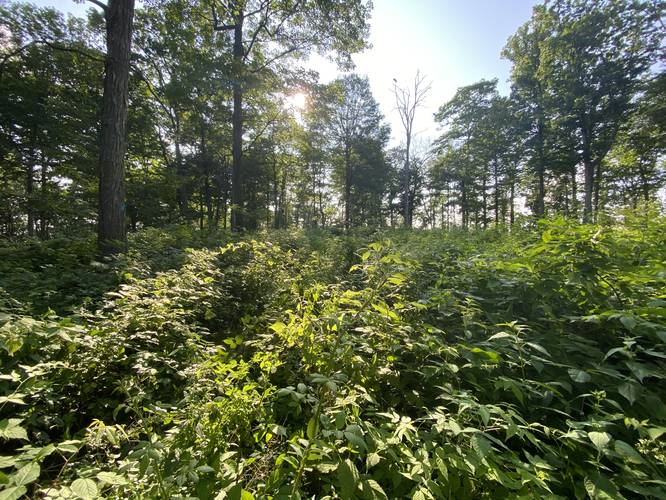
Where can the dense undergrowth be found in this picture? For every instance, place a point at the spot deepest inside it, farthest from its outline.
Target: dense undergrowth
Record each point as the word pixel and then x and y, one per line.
pixel 387 364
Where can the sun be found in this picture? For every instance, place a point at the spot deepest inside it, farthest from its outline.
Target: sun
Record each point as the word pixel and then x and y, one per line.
pixel 297 100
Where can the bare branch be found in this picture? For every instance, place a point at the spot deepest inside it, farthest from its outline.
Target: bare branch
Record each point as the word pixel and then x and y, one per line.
pixel 101 5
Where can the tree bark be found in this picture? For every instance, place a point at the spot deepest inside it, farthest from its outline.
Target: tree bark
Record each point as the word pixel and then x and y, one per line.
pixel 485 200
pixel 237 220
pixel 29 189
pixel 112 232
pixel 348 182
pixel 597 188
pixel 588 170
pixel 541 172
pixel 496 190
pixel 512 212
pixel 405 187
pixel 574 192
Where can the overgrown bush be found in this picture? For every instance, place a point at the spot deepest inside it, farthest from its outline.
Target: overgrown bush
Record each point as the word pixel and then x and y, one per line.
pixel 382 365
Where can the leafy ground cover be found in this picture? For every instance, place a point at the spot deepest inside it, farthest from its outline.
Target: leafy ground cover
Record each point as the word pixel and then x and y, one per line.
pixel 313 365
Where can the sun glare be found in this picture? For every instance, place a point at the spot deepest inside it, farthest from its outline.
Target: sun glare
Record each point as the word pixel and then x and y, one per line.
pixel 297 100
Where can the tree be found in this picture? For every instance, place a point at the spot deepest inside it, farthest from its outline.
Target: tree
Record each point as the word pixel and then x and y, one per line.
pixel 352 120
pixel 636 162
pixel 265 31
pixel 466 146
pixel 407 100
pixel 112 230
pixel 528 94
pixel 185 69
pixel 48 121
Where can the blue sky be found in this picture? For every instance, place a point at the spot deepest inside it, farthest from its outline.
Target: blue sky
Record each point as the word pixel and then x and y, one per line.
pixel 453 42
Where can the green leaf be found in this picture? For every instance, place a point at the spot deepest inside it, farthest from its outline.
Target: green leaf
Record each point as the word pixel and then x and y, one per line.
pixel 26 474
pixel 326 468
pixel 373 489
pixel 656 432
pixel 420 494
pixel 485 414
pixel 579 376
pixel 372 459
pixel 14 399
pixel 71 446
pixel 481 445
pixel 397 279
pixel 111 478
pixel 10 429
pixel 278 327
pixel 599 439
pixel 85 488
pixel 312 428
pixel 347 478
pixel 630 391
pixel 628 452
pixel 538 347
pixel 6 461
pixel 640 370
pixel 601 488
pixel 13 493
pixel 628 322
pixel 500 335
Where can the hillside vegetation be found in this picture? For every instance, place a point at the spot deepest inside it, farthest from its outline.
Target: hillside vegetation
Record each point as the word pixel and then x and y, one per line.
pixel 294 364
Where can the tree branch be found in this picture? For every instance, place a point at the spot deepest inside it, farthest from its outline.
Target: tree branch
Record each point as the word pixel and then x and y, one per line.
pixel 216 22
pixel 261 132
pixel 50 44
pixel 101 5
pixel 275 58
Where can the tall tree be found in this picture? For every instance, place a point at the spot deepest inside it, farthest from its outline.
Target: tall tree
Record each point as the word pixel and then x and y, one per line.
pixel 49 99
pixel 265 31
pixel 407 101
pixel 112 230
pixel 467 147
pixel 357 135
pixel 528 94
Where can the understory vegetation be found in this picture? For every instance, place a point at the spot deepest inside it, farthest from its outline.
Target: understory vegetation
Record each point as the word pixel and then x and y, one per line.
pixel 309 364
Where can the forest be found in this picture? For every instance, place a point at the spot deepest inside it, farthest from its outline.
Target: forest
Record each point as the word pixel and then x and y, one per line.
pixel 222 277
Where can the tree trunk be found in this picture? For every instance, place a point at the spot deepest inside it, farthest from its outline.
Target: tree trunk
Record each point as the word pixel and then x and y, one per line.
pixel 512 212
pixel 183 189
pixel 597 188
pixel 405 187
pixel 463 204
pixel 276 200
pixel 574 192
pixel 348 182
pixel 112 233
pixel 29 189
pixel 43 219
pixel 30 183
pixel 237 220
pixel 588 167
pixel 485 200
pixel 496 189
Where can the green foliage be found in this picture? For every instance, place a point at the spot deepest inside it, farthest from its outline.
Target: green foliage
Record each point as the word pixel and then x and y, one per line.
pixel 424 365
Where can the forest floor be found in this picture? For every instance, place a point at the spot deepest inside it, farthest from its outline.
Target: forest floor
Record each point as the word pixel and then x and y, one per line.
pixel 377 364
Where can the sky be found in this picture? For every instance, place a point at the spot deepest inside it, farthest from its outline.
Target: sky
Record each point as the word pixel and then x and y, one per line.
pixel 452 42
